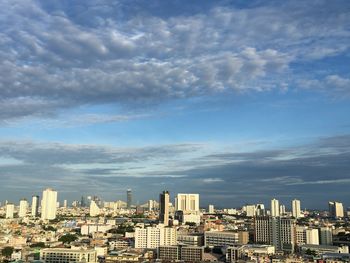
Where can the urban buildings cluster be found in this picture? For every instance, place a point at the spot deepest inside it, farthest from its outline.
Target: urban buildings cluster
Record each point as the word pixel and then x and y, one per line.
pixel 93 230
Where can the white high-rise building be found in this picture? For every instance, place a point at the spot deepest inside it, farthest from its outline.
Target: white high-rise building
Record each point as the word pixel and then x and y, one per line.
pixel 296 210
pixel 336 209
pixel 49 204
pixel 211 209
pixel 94 209
pixel 188 203
pixel 10 210
pixel 282 210
pixel 153 237
pixel 312 237
pixel 65 203
pixel 275 207
pixel 35 206
pixel 23 208
pixel 250 210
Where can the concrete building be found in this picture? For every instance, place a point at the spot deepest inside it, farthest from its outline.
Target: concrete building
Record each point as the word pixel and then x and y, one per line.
pixel 250 210
pixel 184 253
pixel 276 231
pixel 64 255
pixel 88 229
pixel 225 238
pixel 35 206
pixel 211 209
pixel 326 236
pixel 275 208
pixel 336 209
pixel 49 204
pixel 188 203
pixel 153 237
pixel 164 199
pixel 10 210
pixel 23 208
pixel 94 209
pixel 296 210
pixel 190 239
pixel 312 237
pixel 128 199
pixel 240 253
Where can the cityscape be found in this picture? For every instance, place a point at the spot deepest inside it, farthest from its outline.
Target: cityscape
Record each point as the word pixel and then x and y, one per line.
pixel 174 131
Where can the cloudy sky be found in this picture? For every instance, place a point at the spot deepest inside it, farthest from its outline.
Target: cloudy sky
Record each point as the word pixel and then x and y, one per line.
pixel 240 101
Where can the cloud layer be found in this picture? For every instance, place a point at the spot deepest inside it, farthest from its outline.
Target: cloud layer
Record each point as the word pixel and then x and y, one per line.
pixel 65 54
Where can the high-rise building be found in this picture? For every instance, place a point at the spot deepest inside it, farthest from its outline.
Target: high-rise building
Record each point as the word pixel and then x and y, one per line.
pixel 94 208
pixel 326 236
pixel 250 210
pixel 164 199
pixel 282 210
pixel 49 204
pixel 275 208
pixel 153 237
pixel 276 231
pixel 312 237
pixel 188 203
pixel 296 211
pixel 35 205
pixel 211 209
pixel 336 209
pixel 83 202
pixel 10 210
pixel 65 203
pixel 128 198
pixel 23 208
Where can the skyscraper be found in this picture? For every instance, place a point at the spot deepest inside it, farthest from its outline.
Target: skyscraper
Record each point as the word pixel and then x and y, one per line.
pixel 49 204
pixel 23 208
pixel 128 198
pixel 188 203
pixel 10 210
pixel 296 208
pixel 275 208
pixel 336 209
pixel 164 199
pixel 35 205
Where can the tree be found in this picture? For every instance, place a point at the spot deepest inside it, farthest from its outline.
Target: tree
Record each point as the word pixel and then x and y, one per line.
pixel 7 251
pixel 68 238
pixel 39 244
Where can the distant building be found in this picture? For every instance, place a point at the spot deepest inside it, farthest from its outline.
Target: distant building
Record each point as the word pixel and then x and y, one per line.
pixel 94 208
pixel 164 199
pixel 128 199
pixel 336 209
pixel 211 209
pixel 188 203
pixel 184 253
pixel 275 208
pixel 49 204
pixel 23 208
pixel 296 210
pixel 35 206
pixel 225 238
pixel 326 236
pixel 10 210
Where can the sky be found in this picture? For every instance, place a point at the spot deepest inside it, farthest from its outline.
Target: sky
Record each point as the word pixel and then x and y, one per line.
pixel 239 101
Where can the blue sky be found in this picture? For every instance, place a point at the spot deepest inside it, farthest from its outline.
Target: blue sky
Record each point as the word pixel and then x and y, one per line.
pixel 238 101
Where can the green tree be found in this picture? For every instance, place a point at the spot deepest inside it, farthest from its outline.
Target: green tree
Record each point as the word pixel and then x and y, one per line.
pixel 68 238
pixel 7 252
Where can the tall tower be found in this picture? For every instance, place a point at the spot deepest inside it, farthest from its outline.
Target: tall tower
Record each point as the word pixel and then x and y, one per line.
pixel 49 204
pixel 23 208
pixel 35 205
pixel 10 210
pixel 164 199
pixel 296 208
pixel 275 208
pixel 128 198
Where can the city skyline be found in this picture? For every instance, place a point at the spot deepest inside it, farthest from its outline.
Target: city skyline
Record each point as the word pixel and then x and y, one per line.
pixel 238 102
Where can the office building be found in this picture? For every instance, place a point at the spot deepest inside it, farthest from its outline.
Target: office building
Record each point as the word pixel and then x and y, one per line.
pixel 35 205
pixel 10 210
pixel 153 237
pixel 276 231
pixel 296 210
pixel 164 199
pixel 183 253
pixel 275 208
pixel 336 209
pixel 326 236
pixel 225 238
pixel 66 255
pixel 49 204
pixel 128 199
pixel 188 203
pixel 23 208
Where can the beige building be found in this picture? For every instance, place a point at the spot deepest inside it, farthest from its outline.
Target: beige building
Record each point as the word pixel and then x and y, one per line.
pixel 63 255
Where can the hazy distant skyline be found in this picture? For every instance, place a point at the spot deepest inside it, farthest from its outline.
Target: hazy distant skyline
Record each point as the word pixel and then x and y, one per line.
pixel 239 102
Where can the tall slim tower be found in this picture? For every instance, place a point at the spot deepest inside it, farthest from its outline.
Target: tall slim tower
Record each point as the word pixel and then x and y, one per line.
pixel 128 198
pixel 275 208
pixel 296 208
pixel 49 204
pixel 10 210
pixel 23 208
pixel 164 199
pixel 35 205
